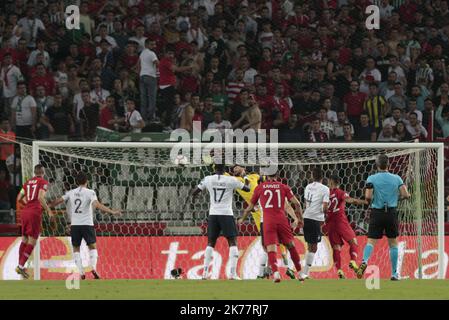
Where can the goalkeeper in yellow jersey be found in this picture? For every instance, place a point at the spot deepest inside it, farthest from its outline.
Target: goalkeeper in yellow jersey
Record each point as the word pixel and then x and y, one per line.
pixel 252 180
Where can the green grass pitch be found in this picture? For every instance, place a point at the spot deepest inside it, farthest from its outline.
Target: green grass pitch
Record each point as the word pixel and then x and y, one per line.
pixel 233 290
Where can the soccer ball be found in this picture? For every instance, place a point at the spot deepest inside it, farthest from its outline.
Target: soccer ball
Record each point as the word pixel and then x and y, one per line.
pixel 181 160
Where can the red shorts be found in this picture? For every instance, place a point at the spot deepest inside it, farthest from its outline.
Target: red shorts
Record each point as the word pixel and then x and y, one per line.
pixel 277 232
pixel 339 231
pixel 31 224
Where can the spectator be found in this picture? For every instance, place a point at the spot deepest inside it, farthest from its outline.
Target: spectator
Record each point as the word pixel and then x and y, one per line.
pixel 58 120
pixel 188 113
pixel 42 78
pixel 326 125
pixel 316 134
pixel 442 117
pixel 387 88
pixel 133 119
pixel 7 140
pixel 401 132
pixel 148 64
pixel 24 113
pixel 415 127
pixel 371 75
pixel 353 102
pixel 218 123
pixel 10 75
pixel 89 115
pixel 365 132
pixel 412 108
pixel 291 131
pixel 5 187
pixel 398 99
pixel 387 134
pixel 376 107
pixel 342 120
pixel 347 135
pixel 396 116
pixel 251 118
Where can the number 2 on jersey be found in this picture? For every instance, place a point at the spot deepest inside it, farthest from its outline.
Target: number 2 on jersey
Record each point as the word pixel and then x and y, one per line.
pixel 270 194
pixel 78 203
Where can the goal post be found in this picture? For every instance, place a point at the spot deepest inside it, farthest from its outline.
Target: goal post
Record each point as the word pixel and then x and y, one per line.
pixel 142 180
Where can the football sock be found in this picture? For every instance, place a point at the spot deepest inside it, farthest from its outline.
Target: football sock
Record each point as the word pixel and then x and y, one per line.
pixel 79 264
pixel 207 258
pixel 353 251
pixel 263 263
pixel 21 250
pixel 309 262
pixel 295 258
pixel 394 260
pixel 93 255
pixel 336 254
pixel 272 261
pixel 233 258
pixel 26 254
pixel 367 252
pixel 284 255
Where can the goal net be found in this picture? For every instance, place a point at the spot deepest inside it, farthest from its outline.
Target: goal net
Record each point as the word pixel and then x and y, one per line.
pixel 161 229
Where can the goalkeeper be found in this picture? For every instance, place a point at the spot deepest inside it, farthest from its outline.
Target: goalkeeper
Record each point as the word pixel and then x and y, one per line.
pixel 253 180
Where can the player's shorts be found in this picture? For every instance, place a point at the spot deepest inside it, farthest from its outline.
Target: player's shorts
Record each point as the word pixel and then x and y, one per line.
pixel 277 233
pixel 257 216
pixel 383 223
pixel 339 231
pixel 78 233
pixel 312 230
pixel 31 224
pixel 221 224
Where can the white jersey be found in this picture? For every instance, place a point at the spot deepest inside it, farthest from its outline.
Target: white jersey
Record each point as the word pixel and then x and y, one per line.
pixel 221 190
pixel 315 194
pixel 79 206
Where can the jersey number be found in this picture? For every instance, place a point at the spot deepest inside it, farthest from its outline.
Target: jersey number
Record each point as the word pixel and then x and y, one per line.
pixel 78 203
pixel 216 190
pixel 269 193
pixel 334 205
pixel 31 195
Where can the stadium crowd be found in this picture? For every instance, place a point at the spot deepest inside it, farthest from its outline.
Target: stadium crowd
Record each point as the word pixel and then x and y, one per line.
pixel 311 69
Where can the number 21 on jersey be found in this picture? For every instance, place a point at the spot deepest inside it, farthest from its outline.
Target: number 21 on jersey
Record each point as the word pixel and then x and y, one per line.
pixel 269 194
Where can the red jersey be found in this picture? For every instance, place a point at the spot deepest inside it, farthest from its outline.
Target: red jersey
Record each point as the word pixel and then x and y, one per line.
pixel 167 76
pixel 337 206
pixel 31 189
pixel 271 196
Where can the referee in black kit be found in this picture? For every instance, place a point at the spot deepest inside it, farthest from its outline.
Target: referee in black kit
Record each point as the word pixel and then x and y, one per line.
pixel 383 190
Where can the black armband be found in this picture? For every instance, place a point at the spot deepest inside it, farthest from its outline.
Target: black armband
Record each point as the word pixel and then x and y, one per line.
pixel 369 185
pixel 246 188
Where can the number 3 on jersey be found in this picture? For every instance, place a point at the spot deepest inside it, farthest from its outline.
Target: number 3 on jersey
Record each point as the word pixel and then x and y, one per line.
pixel 270 194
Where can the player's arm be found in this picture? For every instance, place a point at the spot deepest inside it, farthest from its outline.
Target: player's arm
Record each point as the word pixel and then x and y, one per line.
pixel 98 205
pixel 289 209
pixel 22 196
pixel 369 192
pixel 355 201
pixel 246 212
pixel 43 201
pixel 403 192
pixel 56 202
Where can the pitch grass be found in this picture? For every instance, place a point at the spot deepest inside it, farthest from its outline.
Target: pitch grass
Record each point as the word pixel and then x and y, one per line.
pixel 233 290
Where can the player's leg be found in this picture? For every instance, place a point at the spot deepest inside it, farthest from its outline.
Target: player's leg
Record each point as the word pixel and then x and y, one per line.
pixel 263 260
pixel 392 232
pixel 336 242
pixel 336 255
pixel 91 240
pixel 229 228
pixel 312 235
pixel 76 236
pixel 213 232
pixel 272 261
pixel 286 238
pixel 233 257
pixel 375 232
pixel 347 234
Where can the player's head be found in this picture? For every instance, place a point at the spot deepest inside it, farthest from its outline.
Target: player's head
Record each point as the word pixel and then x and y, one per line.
pixel 220 168
pixel 334 181
pixel 382 162
pixel 81 179
pixel 238 171
pixel 39 170
pixel 317 174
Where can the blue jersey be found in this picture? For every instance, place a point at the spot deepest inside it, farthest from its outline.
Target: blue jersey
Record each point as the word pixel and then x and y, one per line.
pixel 386 189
